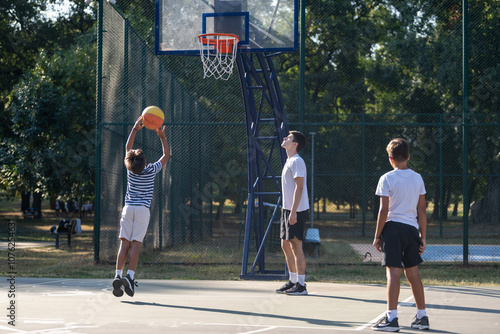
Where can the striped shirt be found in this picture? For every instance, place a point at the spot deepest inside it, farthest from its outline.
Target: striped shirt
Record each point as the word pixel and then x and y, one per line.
pixel 140 186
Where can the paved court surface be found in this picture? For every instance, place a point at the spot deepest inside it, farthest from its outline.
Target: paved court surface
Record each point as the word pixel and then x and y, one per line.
pixel 160 306
pixel 27 244
pixel 438 253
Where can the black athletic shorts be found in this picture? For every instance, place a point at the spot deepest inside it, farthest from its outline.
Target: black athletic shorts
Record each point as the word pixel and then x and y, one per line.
pixel 400 245
pixel 296 230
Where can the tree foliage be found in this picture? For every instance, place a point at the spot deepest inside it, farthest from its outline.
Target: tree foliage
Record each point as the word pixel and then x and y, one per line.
pixel 48 143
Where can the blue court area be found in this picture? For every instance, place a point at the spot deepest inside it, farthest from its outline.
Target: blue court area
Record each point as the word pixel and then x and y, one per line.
pixel 452 253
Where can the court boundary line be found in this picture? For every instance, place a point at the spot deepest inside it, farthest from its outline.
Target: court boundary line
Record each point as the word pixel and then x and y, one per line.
pixel 371 322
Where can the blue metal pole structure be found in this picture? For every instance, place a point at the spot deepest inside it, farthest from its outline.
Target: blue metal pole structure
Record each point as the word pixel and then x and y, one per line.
pixel 264 109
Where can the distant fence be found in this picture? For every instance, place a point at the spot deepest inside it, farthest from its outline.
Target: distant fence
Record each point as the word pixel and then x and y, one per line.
pixel 197 214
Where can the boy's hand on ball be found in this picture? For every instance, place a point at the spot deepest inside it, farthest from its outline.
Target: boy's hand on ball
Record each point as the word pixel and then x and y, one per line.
pixel 161 131
pixel 139 124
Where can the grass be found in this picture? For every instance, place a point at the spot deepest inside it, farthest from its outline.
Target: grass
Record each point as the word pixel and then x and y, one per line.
pixel 218 258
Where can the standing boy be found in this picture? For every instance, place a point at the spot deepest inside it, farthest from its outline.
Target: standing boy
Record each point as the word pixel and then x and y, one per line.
pixel 402 213
pixel 294 214
pixel 135 213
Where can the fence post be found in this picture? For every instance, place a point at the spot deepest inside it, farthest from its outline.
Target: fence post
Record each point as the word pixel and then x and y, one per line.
pixel 465 109
pixel 441 195
pixel 302 64
pixel 97 198
pixel 160 176
pixel 363 191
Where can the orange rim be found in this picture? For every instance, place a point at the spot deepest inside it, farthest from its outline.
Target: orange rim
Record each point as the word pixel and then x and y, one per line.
pixel 222 45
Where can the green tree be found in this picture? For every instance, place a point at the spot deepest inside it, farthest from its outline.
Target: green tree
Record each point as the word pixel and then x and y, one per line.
pixel 52 147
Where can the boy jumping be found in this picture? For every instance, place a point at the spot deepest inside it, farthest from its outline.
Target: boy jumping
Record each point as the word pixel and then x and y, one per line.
pixel 135 214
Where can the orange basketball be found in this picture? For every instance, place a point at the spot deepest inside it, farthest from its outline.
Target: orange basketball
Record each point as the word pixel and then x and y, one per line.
pixel 152 117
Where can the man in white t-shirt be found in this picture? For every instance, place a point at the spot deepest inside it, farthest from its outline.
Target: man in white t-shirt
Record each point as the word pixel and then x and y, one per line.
pixel 400 235
pixel 294 213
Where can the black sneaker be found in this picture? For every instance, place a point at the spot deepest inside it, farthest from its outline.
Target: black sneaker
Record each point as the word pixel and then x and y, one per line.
pixel 117 286
pixel 420 323
pixel 384 325
pixel 128 284
pixel 287 286
pixel 298 289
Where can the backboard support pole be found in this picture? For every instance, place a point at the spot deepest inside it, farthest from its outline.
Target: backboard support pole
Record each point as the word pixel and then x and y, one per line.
pixel 266 126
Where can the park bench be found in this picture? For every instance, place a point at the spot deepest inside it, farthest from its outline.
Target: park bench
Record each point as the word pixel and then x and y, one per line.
pixel 68 229
pixel 30 214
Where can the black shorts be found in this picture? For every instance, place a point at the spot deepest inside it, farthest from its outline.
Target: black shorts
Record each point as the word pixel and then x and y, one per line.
pixel 400 245
pixel 296 230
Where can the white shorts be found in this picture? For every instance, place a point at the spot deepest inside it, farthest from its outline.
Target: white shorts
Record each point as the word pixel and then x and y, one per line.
pixel 134 222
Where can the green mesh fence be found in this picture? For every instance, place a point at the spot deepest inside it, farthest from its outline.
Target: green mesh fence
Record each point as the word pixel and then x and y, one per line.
pixel 374 70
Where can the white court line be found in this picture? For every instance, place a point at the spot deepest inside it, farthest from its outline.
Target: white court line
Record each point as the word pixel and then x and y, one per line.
pixel 51 330
pixel 40 283
pixel 360 328
pixel 11 329
pixel 260 330
pixel 268 327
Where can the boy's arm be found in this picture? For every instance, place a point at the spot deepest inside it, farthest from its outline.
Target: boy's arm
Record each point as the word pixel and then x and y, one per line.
pixel 297 195
pixel 131 137
pixel 422 222
pixel 166 150
pixel 381 219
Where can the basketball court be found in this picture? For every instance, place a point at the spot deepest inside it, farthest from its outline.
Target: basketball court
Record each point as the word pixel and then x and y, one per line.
pixel 45 305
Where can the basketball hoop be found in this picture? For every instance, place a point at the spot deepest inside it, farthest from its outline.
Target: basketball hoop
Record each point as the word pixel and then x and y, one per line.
pixel 218 52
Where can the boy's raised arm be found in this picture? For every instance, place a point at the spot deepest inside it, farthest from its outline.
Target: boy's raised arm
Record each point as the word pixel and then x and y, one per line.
pixel 131 137
pixel 166 150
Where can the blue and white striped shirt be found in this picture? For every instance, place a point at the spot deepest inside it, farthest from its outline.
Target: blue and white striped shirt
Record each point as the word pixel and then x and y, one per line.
pixel 140 186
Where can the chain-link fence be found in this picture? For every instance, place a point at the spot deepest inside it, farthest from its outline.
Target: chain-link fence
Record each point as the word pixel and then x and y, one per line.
pixel 374 70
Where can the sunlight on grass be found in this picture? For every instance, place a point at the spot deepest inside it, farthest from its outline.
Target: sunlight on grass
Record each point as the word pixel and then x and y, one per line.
pixel 219 257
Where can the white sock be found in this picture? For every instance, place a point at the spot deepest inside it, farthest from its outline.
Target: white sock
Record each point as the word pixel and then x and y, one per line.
pixel 293 278
pixel 131 273
pixel 421 313
pixel 302 279
pixel 391 314
pixel 118 273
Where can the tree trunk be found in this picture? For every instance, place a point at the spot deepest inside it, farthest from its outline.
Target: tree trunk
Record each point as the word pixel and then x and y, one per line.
pixel 237 208
pixel 25 200
pixel 352 207
pixel 52 201
pixel 37 204
pixel 437 204
pixel 455 209
pixel 219 216
pixel 487 209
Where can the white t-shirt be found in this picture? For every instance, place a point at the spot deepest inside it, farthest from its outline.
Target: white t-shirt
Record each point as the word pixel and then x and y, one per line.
pixel 403 187
pixel 294 167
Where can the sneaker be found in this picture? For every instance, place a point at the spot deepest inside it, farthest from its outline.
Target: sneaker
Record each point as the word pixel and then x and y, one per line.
pixel 420 323
pixel 287 286
pixel 117 286
pixel 128 284
pixel 298 289
pixel 384 325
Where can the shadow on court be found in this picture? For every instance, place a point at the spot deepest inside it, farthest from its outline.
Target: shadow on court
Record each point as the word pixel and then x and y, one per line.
pixel 159 306
pixel 249 314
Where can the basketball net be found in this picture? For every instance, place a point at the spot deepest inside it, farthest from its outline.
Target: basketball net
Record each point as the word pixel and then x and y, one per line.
pixel 218 53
